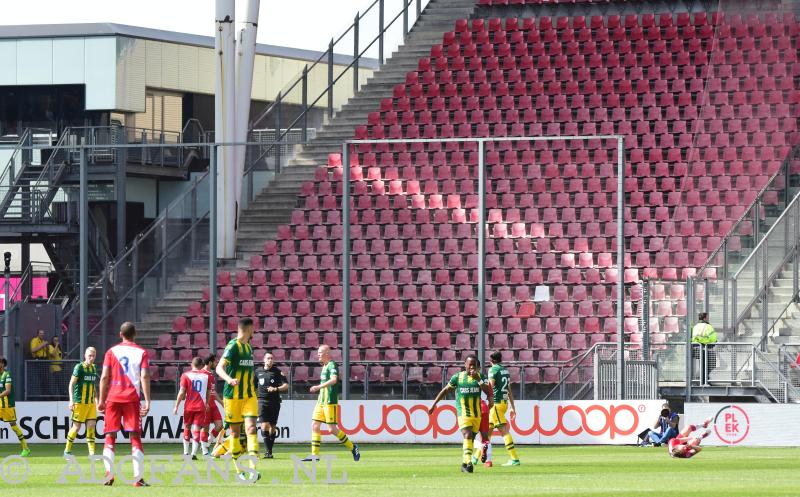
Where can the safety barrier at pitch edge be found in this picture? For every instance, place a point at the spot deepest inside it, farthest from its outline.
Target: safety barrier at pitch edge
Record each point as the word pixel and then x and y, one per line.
pixel 536 422
pixel 748 425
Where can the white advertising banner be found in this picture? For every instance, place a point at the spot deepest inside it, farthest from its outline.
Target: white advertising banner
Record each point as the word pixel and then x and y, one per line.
pixel 752 425
pixel 388 421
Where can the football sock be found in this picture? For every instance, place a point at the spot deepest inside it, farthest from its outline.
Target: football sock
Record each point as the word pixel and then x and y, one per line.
pixel 186 439
pixel 344 440
pixel 108 452
pixel 20 436
pixel 137 457
pixel 73 432
pixel 271 441
pixel 204 441
pixel 265 435
pixel 235 447
pixel 252 444
pixel 90 436
pixel 195 442
pixel 252 448
pixel 487 446
pixel 468 446
pixel 512 450
pixel 316 439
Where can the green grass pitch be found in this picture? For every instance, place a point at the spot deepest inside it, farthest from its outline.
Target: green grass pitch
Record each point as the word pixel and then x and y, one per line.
pixel 433 470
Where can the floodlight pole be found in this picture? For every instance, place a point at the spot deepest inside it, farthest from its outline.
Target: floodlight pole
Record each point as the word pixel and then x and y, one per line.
pixel 345 271
pixel 620 270
pixel 83 246
pixel 212 251
pixel 481 253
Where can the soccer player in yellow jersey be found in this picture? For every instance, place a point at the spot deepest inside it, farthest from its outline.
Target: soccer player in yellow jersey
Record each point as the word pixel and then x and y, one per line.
pixel 82 401
pixel 8 412
pixel 327 408
pixel 239 394
pixel 468 385
pixel 500 380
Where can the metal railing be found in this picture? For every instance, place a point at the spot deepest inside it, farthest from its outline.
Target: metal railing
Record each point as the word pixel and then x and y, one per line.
pixel 47 379
pixel 739 243
pixel 670 359
pixel 323 68
pixel 142 274
pixel 789 362
pixel 750 286
pixel 742 364
pixel 34 268
pixel 146 270
pixel 98 136
pixel 592 375
pixel 398 379
pixel 20 162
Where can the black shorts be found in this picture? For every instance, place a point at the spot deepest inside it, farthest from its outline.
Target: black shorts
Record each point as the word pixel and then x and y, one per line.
pixel 268 412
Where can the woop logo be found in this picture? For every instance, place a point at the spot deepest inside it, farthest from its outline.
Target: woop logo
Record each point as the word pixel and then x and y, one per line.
pixel 731 424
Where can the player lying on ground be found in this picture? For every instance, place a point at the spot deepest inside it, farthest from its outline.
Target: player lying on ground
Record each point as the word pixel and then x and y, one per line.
pixel 468 385
pixel 82 401
pixel 685 445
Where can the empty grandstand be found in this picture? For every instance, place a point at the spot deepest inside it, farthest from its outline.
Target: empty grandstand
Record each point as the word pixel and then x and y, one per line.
pixel 705 99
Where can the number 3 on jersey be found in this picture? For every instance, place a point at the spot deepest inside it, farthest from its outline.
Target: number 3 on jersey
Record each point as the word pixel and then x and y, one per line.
pixel 124 362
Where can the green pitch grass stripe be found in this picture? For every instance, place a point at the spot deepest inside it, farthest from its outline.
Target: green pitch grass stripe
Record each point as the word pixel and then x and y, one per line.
pixel 424 470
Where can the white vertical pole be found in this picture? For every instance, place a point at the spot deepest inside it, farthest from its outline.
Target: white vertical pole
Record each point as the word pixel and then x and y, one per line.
pixel 245 60
pixel 620 269
pixel 224 125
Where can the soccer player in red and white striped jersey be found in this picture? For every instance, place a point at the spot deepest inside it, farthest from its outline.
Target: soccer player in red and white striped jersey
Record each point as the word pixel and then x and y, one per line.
pixel 213 422
pixel 125 380
pixel 195 389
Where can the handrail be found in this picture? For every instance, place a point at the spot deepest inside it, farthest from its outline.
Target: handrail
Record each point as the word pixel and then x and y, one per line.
pixel 578 361
pixel 61 144
pixel 26 134
pixel 24 275
pixel 766 335
pixel 763 289
pixel 782 172
pixel 766 235
pixel 788 387
pixel 135 286
pixel 298 78
pixel 331 80
pixel 155 224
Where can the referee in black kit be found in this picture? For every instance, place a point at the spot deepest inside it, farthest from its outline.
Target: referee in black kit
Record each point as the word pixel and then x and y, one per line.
pixel 270 382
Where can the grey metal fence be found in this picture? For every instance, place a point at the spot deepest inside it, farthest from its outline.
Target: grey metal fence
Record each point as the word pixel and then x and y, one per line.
pixel 47 380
